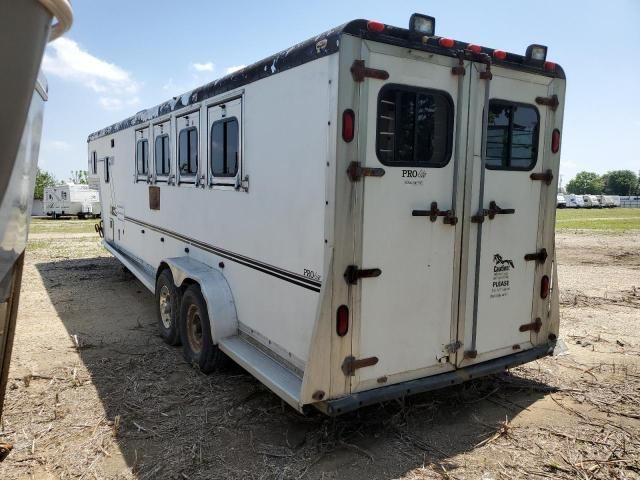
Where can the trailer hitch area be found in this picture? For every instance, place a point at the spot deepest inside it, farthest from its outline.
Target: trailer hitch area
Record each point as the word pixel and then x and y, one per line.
pixel 491 212
pixel 433 213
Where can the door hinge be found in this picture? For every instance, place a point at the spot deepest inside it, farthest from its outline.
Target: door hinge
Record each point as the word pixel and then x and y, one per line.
pixel 352 274
pixel 459 69
pixel 470 354
pixel 433 213
pixel 356 171
pixel 533 326
pixel 351 364
pixel 546 177
pixel 551 101
pixel 453 347
pixel 539 257
pixel 359 72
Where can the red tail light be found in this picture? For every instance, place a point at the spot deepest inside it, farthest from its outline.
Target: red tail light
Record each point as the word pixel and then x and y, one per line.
pixel 555 141
pixel 375 26
pixel 446 42
pixel 550 66
pixel 474 48
pixel 500 54
pixel 342 320
pixel 544 287
pixel 348 125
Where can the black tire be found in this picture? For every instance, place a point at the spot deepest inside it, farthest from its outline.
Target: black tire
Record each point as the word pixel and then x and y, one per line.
pixel 168 297
pixel 195 332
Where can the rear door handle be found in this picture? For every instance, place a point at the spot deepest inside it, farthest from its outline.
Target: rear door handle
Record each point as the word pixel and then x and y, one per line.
pixel 493 210
pixel 434 213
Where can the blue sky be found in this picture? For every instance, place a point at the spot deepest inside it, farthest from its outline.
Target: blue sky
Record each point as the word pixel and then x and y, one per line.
pixel 121 56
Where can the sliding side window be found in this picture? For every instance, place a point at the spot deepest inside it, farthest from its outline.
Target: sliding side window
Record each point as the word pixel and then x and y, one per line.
pixel 188 154
pixel 225 145
pixel 107 170
pixel 414 127
pixel 512 136
pixel 93 163
pixel 162 156
pixel 142 157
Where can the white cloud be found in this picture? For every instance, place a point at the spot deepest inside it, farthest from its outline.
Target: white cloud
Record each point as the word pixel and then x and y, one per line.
pixel 203 67
pixel 66 59
pixel 234 68
pixel 60 145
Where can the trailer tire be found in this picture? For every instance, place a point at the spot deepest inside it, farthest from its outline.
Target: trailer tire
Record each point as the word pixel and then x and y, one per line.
pixel 197 345
pixel 168 308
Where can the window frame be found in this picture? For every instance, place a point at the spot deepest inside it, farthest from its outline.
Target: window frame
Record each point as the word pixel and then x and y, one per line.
pixel 107 170
pixel 142 175
pixel 225 179
pixel 450 126
pixel 161 177
pixel 536 142
pixel 190 178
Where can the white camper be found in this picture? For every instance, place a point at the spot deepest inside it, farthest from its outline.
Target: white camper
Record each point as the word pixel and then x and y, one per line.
pixel 71 199
pixel 609 201
pixel 574 201
pixel 337 220
pixel 591 201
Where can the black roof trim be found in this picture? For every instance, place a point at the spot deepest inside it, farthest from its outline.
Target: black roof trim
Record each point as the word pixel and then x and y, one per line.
pixel 314 48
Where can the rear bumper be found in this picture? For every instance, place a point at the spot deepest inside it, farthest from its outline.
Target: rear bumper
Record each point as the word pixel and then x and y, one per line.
pixel 435 382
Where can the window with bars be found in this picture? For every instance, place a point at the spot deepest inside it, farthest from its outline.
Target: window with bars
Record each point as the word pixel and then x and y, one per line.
pixel 188 152
pixel 512 136
pixel 142 157
pixel 225 146
pixel 162 156
pixel 414 126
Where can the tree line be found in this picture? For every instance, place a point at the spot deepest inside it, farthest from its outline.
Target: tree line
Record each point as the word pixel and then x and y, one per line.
pixel 615 182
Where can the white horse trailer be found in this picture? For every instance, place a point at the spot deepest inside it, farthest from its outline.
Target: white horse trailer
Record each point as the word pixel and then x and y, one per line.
pixel 71 199
pixel 336 219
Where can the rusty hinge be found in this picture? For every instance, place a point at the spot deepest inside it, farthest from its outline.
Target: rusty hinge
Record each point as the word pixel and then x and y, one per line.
pixel 352 274
pixel 357 171
pixel 534 326
pixel 551 101
pixel 433 213
pixel 546 177
pixel 459 69
pixel 359 72
pixel 351 364
pixel 453 347
pixel 539 257
pixel 486 74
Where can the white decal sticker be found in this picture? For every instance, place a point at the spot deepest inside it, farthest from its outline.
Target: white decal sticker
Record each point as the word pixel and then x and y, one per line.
pixel 500 283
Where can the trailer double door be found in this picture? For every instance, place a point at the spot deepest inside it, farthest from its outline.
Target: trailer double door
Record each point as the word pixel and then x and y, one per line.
pixel 441 272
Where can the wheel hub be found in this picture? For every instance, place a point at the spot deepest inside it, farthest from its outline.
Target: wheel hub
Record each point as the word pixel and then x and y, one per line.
pixel 165 307
pixel 194 329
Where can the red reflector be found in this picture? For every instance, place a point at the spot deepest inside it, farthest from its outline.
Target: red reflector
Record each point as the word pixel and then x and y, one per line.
pixel 544 287
pixel 375 26
pixel 446 42
pixel 550 66
pixel 474 48
pixel 342 320
pixel 555 141
pixel 500 54
pixel 348 122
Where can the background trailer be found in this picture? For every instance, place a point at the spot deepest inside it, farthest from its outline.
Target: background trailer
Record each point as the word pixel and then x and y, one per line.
pixel 366 215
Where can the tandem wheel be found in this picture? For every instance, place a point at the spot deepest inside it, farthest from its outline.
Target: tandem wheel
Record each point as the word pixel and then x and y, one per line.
pixel 168 308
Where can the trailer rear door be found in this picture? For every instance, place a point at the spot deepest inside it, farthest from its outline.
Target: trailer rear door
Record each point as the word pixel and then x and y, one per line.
pixel 407 312
pixel 498 282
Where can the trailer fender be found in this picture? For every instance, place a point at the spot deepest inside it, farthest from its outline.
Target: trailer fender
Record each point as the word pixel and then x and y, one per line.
pixel 223 317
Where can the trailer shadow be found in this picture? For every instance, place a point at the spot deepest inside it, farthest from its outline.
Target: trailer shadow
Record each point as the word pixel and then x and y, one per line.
pixel 171 421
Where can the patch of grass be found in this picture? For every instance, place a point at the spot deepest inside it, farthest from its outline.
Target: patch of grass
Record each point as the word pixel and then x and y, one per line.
pixel 613 220
pixel 47 225
pixel 82 247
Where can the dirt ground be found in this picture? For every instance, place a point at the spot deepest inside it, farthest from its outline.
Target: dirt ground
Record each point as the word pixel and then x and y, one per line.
pixel 95 394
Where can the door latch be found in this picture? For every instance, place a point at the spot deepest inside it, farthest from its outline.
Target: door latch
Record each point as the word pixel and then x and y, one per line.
pixel 357 171
pixel 351 364
pixel 533 326
pixel 546 176
pixel 539 257
pixel 491 212
pixel 433 213
pixel 352 274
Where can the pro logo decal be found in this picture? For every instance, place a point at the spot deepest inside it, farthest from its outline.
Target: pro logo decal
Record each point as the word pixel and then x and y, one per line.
pixel 414 176
pixel 500 283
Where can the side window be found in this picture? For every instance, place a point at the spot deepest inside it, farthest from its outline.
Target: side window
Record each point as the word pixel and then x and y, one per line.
pixel 93 165
pixel 225 145
pixel 162 156
pixel 188 152
pixel 414 126
pixel 142 157
pixel 107 170
pixel 512 136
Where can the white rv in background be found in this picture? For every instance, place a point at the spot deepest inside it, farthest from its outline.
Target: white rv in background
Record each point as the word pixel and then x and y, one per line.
pixel 574 201
pixel 337 219
pixel 591 201
pixel 71 200
pixel 609 201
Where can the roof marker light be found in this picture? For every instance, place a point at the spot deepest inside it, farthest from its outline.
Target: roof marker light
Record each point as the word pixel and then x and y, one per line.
pixel 446 42
pixel 550 66
pixel 474 48
pixel 375 26
pixel 500 54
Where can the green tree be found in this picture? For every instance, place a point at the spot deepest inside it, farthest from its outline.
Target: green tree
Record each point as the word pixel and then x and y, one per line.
pixel 586 183
pixel 620 182
pixel 43 180
pixel 79 176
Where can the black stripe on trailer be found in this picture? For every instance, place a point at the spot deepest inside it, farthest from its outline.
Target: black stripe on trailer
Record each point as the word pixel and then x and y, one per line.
pixel 272 270
pixel 312 49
